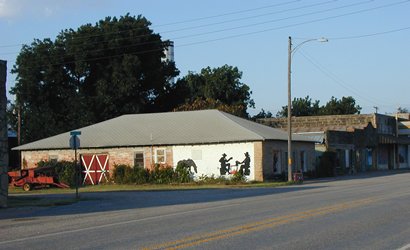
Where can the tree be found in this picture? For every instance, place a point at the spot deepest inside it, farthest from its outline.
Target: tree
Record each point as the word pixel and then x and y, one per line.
pixel 262 114
pixel 307 107
pixel 344 106
pixel 301 107
pixel 223 85
pixel 89 75
pixel 402 110
pixel 201 104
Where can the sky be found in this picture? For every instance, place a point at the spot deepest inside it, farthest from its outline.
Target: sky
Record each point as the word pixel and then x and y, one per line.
pixel 367 55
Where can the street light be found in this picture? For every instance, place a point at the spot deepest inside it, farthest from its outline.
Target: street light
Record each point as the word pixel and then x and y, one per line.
pixel 290 52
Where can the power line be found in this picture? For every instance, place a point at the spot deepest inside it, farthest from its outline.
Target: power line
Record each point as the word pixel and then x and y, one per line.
pixel 180 22
pixel 335 79
pixel 275 20
pixel 259 23
pixel 297 24
pixel 370 35
pixel 250 17
pixel 217 23
pixel 229 13
pixel 286 26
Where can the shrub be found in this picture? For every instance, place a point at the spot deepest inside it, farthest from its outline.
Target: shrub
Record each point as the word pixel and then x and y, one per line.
pixel 162 174
pixel 238 178
pixel 205 179
pixel 140 175
pixel 122 174
pixel 63 170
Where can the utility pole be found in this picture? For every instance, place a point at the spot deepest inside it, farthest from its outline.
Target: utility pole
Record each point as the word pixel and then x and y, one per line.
pixel 290 51
pixel 289 110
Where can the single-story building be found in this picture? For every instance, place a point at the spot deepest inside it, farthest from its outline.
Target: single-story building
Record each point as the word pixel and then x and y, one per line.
pixel 362 142
pixel 217 142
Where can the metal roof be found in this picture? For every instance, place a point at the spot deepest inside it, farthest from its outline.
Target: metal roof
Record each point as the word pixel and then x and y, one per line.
pixel 317 137
pixel 173 128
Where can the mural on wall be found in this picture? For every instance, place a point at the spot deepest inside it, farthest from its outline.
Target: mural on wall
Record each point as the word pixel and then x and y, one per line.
pixel 243 166
pixel 188 163
pixel 225 165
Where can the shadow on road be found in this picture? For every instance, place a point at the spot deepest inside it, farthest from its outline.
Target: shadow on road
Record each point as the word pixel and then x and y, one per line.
pixel 123 200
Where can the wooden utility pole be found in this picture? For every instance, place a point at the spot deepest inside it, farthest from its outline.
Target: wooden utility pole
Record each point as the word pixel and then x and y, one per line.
pixel 289 111
pixel 4 150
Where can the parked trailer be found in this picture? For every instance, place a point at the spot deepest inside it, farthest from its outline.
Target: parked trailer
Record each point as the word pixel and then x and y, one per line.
pixel 30 178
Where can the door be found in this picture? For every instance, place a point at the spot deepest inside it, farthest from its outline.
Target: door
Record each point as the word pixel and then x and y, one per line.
pixel 95 168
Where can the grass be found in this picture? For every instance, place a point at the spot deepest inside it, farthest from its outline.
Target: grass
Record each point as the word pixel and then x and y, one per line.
pixel 147 187
pixel 16 199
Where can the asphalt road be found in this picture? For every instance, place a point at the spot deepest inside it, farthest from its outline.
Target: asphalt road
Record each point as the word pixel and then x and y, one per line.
pixel 361 212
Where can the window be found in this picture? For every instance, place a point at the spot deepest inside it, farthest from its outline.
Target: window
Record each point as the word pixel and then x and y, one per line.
pixel 303 166
pixel 53 158
pixel 139 159
pixel 160 156
pixel 276 162
pixel 402 154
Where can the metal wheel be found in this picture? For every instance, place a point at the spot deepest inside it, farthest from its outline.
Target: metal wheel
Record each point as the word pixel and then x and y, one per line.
pixel 27 187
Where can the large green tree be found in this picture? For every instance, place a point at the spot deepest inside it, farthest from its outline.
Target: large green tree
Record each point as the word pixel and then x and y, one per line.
pixel 222 85
pixel 307 107
pixel 301 107
pixel 91 74
pixel 344 106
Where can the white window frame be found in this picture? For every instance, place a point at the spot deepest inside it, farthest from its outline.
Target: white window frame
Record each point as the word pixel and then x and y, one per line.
pixel 156 155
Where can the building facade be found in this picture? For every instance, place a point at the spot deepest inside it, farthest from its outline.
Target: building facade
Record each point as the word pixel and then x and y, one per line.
pixel 361 142
pixel 216 143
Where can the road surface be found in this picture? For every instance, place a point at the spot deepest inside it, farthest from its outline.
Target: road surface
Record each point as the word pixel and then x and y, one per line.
pixel 360 212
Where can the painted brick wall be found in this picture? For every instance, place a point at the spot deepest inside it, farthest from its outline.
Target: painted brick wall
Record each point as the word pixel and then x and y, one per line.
pixel 117 156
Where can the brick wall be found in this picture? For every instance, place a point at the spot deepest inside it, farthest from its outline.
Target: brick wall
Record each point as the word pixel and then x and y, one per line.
pixel 258 161
pixel 322 123
pixel 117 156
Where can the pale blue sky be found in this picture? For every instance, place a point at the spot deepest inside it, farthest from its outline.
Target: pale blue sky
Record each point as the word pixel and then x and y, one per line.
pixel 371 63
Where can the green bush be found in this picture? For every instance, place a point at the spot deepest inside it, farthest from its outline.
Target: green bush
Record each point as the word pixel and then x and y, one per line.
pixel 238 178
pixel 63 170
pixel 162 175
pixel 140 175
pixel 122 174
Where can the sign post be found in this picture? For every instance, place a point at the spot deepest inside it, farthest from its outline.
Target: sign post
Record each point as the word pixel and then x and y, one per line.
pixel 75 144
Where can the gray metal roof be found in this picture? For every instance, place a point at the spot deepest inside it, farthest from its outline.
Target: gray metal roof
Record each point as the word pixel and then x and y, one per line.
pixel 317 137
pixel 173 128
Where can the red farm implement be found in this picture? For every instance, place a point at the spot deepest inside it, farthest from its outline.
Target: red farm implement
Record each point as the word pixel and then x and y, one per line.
pixel 31 178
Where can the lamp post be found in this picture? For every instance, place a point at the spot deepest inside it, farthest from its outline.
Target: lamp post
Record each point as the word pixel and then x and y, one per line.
pixel 290 52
